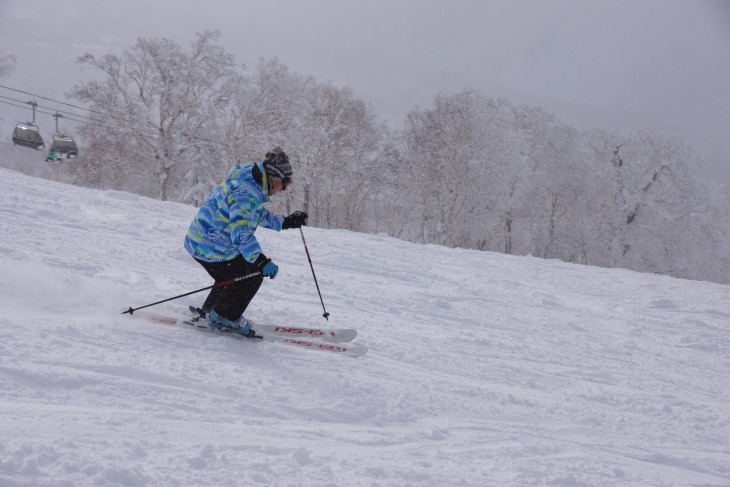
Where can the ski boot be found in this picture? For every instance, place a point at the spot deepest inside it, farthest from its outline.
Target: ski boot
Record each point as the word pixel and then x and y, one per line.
pixel 241 327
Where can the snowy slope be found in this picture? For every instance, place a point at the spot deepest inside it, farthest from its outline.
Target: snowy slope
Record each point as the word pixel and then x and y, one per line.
pixel 483 370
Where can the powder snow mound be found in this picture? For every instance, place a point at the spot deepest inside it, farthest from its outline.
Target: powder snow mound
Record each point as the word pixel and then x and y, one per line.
pixel 484 369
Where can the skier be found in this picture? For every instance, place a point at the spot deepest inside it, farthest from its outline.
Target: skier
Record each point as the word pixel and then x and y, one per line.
pixel 221 236
pixel 53 156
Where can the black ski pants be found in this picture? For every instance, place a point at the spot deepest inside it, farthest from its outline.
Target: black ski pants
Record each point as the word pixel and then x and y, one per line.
pixel 232 300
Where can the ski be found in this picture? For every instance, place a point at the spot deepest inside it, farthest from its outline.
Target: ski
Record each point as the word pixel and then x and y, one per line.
pixel 300 340
pixel 335 335
pixel 349 349
pixel 341 335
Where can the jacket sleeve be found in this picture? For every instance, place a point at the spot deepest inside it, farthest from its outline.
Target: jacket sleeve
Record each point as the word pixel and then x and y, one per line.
pixel 242 223
pixel 270 220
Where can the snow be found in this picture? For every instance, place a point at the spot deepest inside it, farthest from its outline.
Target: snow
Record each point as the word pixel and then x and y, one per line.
pixel 483 370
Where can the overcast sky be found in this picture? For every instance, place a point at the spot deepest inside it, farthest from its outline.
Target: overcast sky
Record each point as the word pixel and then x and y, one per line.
pixel 661 65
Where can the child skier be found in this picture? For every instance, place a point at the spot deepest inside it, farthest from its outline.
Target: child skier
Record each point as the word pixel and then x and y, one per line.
pixel 221 236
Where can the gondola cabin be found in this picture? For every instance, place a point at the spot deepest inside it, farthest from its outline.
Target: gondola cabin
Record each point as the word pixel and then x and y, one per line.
pixel 64 144
pixel 27 135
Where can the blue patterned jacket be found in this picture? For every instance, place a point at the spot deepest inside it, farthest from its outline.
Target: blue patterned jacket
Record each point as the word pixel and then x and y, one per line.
pixel 224 226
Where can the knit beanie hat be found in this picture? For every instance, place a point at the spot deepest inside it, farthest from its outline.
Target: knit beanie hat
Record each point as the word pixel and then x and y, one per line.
pixel 276 164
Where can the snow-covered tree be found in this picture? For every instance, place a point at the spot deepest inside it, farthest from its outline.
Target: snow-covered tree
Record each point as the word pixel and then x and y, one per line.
pixel 440 164
pixel 159 102
pixel 468 171
pixel 339 141
pixel 7 64
pixel 486 174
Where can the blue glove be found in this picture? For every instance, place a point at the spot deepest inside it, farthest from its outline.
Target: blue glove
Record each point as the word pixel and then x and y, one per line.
pixel 269 269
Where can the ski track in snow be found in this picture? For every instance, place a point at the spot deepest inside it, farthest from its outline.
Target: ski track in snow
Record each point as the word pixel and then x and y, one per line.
pixel 484 369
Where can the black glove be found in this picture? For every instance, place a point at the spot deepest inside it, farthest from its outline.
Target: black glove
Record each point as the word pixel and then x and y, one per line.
pixel 295 220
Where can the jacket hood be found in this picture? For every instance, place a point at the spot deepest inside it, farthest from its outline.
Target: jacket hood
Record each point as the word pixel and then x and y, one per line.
pixel 237 171
pixel 242 174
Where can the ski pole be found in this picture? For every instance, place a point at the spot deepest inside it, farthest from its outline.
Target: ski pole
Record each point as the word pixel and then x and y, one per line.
pixel 326 314
pixel 218 284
